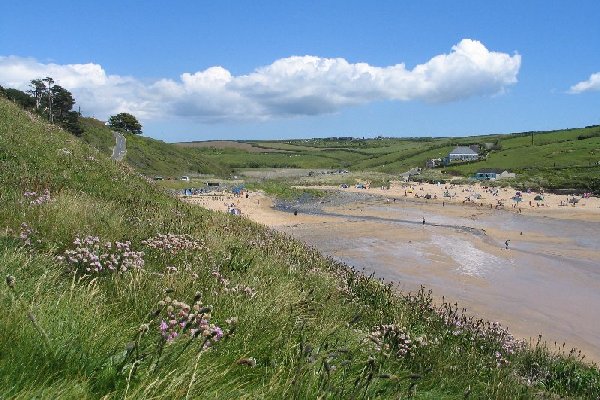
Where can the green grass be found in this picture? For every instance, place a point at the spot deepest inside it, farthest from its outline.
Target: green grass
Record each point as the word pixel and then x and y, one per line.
pixel 306 326
pixel 97 135
pixel 561 159
pixel 153 157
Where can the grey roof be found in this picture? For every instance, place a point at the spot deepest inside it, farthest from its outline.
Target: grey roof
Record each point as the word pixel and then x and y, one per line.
pixel 463 150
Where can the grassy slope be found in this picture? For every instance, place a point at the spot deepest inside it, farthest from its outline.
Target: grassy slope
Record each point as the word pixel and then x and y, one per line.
pixel 150 156
pixel 560 149
pixel 560 159
pixel 302 319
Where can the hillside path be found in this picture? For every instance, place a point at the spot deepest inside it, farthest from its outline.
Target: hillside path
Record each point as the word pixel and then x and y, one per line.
pixel 120 148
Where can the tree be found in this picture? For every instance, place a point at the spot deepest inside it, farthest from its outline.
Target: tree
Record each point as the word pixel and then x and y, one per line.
pixel 55 103
pixel 50 100
pixel 125 123
pixel 70 121
pixel 62 102
pixel 50 82
pixel 38 88
pixel 19 97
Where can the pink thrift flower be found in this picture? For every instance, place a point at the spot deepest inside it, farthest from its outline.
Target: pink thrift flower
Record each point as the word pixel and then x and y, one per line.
pixel 163 326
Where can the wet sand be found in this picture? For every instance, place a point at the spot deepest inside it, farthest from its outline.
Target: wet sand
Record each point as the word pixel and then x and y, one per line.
pixel 547 281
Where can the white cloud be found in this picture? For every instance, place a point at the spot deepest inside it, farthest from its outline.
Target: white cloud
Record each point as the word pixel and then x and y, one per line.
pixel 592 84
pixel 298 85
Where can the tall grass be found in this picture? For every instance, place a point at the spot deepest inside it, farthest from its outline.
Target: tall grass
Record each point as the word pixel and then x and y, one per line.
pixel 255 313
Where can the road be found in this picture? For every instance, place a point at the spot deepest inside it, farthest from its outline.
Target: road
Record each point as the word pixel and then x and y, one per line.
pixel 120 148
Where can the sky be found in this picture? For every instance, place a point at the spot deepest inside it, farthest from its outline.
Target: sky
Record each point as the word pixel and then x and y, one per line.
pixel 241 70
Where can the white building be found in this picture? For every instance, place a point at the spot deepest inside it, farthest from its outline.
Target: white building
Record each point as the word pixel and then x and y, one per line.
pixel 462 153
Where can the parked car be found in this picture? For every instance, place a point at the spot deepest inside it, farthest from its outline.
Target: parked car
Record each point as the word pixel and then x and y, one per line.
pixel 158 178
pixel 185 178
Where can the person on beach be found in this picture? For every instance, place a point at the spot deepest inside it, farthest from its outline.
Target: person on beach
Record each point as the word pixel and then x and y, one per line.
pixel 423 220
pixel 506 243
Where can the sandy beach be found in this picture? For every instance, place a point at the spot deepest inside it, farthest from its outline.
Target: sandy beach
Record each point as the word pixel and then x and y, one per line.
pixel 546 280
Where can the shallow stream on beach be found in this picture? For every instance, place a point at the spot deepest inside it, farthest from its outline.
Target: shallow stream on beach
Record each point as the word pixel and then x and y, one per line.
pixel 547 281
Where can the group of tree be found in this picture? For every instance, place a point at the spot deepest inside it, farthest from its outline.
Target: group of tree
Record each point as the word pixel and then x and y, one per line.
pixel 55 103
pixel 50 100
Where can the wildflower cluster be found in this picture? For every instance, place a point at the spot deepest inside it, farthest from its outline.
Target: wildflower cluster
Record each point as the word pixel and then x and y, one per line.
pixel 26 234
pixel 173 244
pixel 36 199
pixel 394 339
pixel 491 332
pixel 239 288
pixel 179 319
pixel 92 256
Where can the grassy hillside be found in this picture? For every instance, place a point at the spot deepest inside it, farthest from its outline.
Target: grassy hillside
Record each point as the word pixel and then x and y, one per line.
pixel 152 157
pixel 113 289
pixel 558 159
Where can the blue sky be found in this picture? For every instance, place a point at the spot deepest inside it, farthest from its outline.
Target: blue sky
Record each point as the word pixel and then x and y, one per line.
pixel 196 70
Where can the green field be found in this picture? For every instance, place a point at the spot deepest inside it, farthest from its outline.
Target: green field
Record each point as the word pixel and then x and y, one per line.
pixel 215 306
pixel 558 159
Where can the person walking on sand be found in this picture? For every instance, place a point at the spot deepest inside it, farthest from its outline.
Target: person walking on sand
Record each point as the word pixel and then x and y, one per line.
pixel 423 220
pixel 506 243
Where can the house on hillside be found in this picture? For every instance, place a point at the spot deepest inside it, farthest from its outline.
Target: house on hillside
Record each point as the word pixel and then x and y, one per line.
pixel 492 174
pixel 463 153
pixel 475 148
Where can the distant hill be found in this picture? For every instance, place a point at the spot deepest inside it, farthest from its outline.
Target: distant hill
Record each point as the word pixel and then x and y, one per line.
pixel 567 158
pixel 150 156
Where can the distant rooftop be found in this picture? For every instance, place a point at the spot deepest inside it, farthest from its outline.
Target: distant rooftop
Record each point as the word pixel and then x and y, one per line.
pixel 490 171
pixel 463 150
